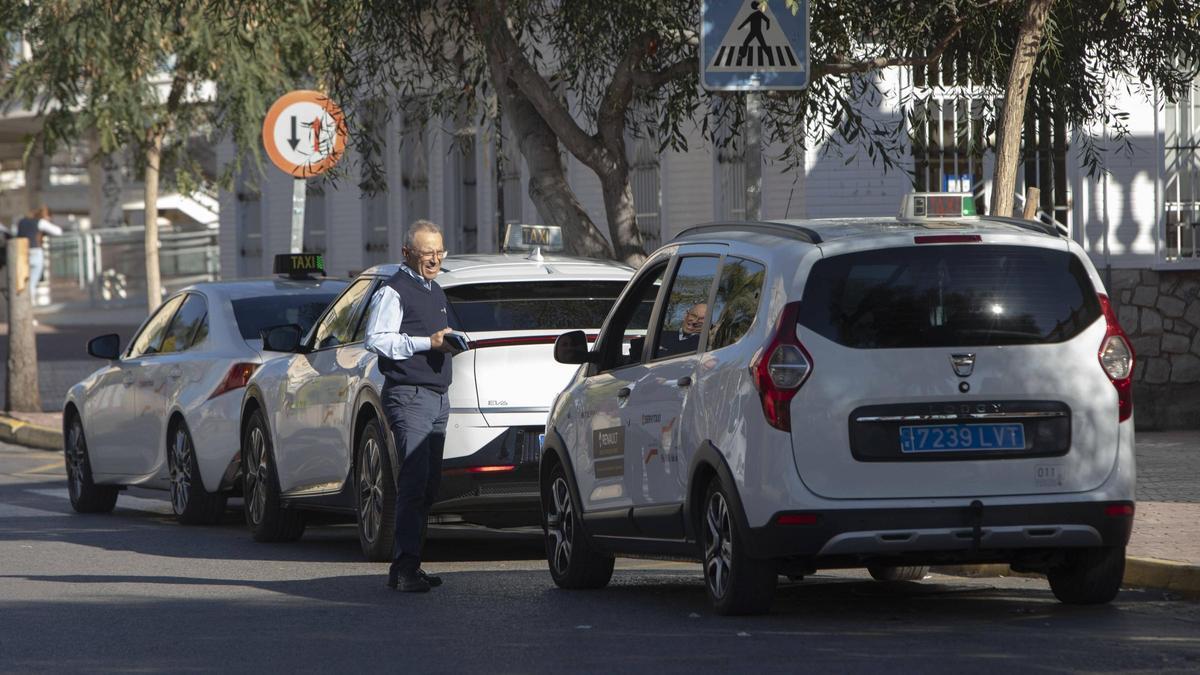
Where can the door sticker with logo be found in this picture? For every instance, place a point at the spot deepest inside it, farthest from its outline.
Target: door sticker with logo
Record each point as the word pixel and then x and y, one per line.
pixel 608 452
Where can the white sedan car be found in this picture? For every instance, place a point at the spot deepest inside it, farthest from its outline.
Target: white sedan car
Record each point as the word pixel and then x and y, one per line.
pixel 314 434
pixel 164 413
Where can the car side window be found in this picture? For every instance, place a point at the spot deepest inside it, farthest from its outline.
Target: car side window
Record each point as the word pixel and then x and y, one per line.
pixel 686 312
pixel 625 335
pixel 337 326
pixel 736 302
pixel 189 327
pixel 149 340
pixel 360 333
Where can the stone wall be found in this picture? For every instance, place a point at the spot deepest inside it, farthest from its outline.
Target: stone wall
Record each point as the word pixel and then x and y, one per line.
pixel 1161 313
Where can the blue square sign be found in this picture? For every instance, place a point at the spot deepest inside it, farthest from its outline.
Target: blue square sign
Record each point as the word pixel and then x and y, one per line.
pixel 753 45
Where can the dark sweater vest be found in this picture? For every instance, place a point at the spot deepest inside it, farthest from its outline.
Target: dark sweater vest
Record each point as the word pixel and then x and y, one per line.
pixel 28 228
pixel 424 315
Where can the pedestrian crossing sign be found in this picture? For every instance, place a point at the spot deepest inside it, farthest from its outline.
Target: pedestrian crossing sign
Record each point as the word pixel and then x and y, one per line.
pixel 753 45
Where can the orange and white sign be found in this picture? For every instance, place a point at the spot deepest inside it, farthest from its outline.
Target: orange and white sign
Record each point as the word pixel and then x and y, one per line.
pixel 304 133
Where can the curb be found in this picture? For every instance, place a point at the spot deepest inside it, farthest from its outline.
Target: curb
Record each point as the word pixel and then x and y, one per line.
pixel 1167 575
pixel 30 435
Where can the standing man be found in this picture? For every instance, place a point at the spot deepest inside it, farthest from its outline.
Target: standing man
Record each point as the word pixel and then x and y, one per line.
pixel 34 227
pixel 406 328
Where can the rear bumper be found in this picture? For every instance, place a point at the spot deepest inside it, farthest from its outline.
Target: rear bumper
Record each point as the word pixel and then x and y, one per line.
pixel 941 535
pixel 496 486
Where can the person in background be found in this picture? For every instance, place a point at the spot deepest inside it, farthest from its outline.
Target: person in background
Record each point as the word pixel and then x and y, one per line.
pixel 34 227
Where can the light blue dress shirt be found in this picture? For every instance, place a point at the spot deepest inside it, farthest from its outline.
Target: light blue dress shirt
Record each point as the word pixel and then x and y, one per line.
pixel 386 313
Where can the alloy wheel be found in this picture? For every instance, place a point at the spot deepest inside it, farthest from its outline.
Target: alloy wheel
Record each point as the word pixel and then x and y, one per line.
pixel 256 475
pixel 75 458
pixel 718 546
pixel 370 490
pixel 181 471
pixel 560 521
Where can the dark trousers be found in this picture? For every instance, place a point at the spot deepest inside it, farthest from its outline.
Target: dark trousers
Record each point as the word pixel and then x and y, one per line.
pixel 417 417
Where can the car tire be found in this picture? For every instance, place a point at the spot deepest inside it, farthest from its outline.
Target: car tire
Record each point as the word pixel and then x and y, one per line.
pixel 265 516
pixel 737 584
pixel 573 562
pixel 192 504
pixel 1088 576
pixel 86 496
pixel 898 572
pixel 375 494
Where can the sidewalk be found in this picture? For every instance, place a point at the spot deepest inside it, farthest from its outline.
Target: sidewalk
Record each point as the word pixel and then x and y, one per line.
pixel 1164 551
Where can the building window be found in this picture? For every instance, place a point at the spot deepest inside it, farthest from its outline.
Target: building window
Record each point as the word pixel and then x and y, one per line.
pixel 414 170
pixel 314 219
pixel 730 157
pixel 249 224
pixel 508 169
pixel 647 193
pixel 947 145
pixel 375 197
pixel 463 154
pixel 1181 199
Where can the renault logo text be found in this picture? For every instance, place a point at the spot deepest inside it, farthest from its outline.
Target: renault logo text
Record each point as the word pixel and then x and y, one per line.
pixel 964 364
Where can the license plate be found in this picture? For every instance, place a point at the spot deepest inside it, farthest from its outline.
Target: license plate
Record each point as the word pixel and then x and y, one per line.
pixel 962 437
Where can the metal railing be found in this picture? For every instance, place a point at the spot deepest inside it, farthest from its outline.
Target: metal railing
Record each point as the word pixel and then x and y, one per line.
pixel 108 266
pixel 1182 221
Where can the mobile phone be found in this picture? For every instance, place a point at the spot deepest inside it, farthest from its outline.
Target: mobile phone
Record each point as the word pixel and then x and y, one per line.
pixel 457 342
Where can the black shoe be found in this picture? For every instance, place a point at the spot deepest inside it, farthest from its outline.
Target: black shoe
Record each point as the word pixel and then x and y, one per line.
pixel 432 579
pixel 410 583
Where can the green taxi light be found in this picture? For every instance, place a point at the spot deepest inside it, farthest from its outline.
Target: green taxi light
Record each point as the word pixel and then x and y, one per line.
pixel 299 265
pixel 968 206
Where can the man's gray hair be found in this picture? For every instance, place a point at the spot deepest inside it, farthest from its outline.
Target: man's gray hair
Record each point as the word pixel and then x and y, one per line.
pixel 410 237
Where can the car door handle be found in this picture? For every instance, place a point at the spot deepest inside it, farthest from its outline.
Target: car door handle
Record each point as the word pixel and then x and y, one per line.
pixel 685 381
pixel 175 373
pixel 624 392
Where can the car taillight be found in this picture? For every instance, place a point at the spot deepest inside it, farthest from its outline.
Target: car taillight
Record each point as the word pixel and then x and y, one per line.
pixel 1116 357
pixel 780 369
pixel 237 377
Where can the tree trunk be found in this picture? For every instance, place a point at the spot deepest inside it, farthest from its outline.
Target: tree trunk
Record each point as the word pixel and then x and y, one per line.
pixel 35 169
pixel 622 214
pixel 21 391
pixel 153 280
pixel 1008 140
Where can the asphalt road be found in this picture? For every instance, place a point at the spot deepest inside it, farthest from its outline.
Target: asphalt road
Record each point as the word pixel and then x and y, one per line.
pixel 135 591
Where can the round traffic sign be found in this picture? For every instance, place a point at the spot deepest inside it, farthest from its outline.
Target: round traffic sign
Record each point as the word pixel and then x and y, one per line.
pixel 304 133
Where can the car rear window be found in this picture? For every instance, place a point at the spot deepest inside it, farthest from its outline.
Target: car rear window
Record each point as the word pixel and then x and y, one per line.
pixel 267 311
pixel 541 305
pixel 943 296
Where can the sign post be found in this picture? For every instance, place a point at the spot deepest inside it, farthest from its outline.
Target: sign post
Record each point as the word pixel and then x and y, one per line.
pixel 753 46
pixel 304 134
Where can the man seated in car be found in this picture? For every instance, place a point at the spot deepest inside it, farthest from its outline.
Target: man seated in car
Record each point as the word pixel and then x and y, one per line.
pixel 686 340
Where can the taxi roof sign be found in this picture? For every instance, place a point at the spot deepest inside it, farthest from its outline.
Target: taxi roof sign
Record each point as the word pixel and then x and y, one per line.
pixel 523 237
pixel 936 205
pixel 299 265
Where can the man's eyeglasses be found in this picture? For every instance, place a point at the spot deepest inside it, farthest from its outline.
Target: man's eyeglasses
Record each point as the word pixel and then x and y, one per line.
pixel 430 255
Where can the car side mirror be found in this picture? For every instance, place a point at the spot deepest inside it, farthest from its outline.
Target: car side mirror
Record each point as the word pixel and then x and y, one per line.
pixel 572 347
pixel 106 347
pixel 282 338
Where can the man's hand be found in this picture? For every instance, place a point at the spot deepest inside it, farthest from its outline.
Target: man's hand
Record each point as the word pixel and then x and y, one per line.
pixel 437 341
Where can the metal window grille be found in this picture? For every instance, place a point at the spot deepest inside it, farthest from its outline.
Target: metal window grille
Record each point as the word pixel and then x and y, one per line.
pixel 314 219
pixel 647 190
pixel 947 145
pixel 414 170
pixel 1044 151
pixel 1182 179
pixel 249 224
pixel 375 216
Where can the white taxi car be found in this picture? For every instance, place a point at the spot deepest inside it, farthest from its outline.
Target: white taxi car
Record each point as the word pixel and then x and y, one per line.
pixel 313 436
pixel 888 393
pixel 164 412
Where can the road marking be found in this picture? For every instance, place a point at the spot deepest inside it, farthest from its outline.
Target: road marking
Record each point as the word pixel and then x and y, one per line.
pixel 40 469
pixel 14 511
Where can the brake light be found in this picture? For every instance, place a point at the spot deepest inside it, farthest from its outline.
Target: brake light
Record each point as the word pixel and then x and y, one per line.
pixel 1118 510
pixel 781 368
pixel 797 519
pixel 237 377
pixel 1117 359
pixel 947 239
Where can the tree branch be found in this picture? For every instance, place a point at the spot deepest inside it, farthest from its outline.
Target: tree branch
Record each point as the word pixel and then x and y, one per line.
pixel 879 63
pixel 654 79
pixel 492 28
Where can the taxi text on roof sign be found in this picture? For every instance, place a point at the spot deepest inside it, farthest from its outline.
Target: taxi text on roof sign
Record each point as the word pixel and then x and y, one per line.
pixel 522 237
pixel 938 205
pixel 299 264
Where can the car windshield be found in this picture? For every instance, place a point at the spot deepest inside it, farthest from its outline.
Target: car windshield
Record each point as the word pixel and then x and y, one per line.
pixel 943 296
pixel 253 315
pixel 541 305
